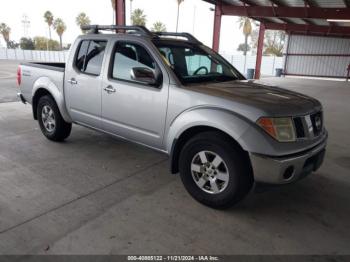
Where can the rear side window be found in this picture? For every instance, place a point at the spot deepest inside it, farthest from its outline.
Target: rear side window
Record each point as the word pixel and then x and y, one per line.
pixel 127 56
pixel 90 56
pixel 79 63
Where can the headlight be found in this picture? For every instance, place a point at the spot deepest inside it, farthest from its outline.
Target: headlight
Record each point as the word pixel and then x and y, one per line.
pixel 280 128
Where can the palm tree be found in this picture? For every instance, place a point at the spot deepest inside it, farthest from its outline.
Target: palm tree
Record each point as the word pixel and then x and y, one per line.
pixel 246 24
pixel 81 20
pixel 138 17
pixel 158 27
pixel 130 8
pixel 113 6
pixel 178 13
pixel 5 30
pixel 60 28
pixel 49 20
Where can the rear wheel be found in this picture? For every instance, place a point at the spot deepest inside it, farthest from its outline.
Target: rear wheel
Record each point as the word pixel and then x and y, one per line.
pixel 50 120
pixel 214 170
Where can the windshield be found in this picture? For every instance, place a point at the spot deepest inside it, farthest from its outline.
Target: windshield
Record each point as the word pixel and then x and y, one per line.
pixel 196 63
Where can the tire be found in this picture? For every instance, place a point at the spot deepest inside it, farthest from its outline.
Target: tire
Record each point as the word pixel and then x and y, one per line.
pixel 50 120
pixel 221 182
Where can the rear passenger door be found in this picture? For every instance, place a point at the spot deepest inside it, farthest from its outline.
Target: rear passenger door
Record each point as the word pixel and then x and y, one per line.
pixel 131 109
pixel 83 83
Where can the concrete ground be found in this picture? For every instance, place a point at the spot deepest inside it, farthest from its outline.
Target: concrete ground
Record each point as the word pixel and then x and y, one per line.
pixel 97 195
pixel 8 85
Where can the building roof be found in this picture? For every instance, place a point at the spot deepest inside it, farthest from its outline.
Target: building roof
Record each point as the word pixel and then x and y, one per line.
pixel 312 17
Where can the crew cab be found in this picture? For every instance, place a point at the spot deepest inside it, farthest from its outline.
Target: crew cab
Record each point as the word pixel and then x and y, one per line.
pixel 169 92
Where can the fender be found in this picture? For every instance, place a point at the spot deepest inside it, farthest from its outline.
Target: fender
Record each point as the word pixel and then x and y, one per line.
pixel 227 121
pixel 245 132
pixel 57 94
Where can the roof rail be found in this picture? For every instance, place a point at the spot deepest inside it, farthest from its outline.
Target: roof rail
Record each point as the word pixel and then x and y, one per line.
pixel 94 29
pixel 189 37
pixel 142 30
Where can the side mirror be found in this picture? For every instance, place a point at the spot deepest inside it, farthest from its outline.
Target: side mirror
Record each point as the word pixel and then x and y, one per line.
pixel 145 75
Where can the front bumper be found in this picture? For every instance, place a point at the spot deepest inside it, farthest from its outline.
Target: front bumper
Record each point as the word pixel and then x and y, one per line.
pixel 284 170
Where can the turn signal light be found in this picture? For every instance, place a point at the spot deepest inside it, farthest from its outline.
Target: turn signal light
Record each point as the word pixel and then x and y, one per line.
pixel 280 128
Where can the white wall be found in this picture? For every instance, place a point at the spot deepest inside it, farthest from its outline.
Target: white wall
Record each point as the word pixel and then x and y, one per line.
pixel 33 55
pixel 269 63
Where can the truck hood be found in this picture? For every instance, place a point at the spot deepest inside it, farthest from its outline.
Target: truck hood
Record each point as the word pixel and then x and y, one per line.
pixel 270 100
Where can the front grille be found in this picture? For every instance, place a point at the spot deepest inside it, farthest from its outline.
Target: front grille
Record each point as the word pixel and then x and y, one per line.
pixel 317 123
pixel 308 126
pixel 299 127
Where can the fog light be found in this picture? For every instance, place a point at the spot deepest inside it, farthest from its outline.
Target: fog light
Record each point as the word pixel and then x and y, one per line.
pixel 288 174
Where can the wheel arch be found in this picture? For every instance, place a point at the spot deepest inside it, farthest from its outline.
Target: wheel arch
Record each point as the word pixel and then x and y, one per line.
pixel 185 136
pixel 44 86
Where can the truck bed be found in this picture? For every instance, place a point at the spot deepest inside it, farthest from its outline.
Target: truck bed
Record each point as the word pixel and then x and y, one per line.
pixel 37 74
pixel 50 66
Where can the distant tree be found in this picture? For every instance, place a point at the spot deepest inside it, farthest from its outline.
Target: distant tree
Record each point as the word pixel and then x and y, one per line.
pixel 41 43
pixel 5 30
pixel 81 20
pixel 274 43
pixel 131 7
pixel 158 27
pixel 49 20
pixel 67 47
pixel 243 47
pixel 178 13
pixel 138 17
pixel 60 28
pixel 26 43
pixel 246 24
pixel 254 38
pixel 113 4
pixel 12 44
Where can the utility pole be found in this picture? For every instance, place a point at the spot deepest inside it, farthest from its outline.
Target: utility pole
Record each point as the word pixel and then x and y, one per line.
pixel 130 11
pixel 194 19
pixel 26 24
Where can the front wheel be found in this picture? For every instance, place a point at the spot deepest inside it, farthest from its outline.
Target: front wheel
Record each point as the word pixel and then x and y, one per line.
pixel 214 170
pixel 50 120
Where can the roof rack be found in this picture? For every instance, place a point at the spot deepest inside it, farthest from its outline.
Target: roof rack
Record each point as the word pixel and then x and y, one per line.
pixel 189 37
pixel 94 29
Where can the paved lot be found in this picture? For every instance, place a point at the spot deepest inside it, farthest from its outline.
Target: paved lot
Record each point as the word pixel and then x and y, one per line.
pixel 97 195
pixel 8 85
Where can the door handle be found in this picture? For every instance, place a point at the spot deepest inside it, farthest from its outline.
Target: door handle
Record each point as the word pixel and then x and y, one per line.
pixel 72 81
pixel 109 89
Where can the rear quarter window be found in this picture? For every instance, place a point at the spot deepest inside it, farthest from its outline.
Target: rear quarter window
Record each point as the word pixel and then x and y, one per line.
pixel 90 56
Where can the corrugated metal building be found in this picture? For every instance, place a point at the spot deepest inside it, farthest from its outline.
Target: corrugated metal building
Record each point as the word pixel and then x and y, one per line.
pixel 319 32
pixel 317 56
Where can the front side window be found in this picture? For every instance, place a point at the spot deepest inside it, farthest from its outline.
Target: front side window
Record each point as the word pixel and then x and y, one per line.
pixel 194 63
pixel 127 56
pixel 90 56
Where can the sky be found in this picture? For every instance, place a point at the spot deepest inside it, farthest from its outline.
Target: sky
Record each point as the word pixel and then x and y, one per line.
pixel 195 17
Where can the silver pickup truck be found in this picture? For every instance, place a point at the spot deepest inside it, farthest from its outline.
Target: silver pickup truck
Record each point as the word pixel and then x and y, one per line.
pixel 167 91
